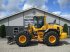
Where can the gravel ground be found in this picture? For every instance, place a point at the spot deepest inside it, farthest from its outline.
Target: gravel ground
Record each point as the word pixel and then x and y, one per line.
pixel 63 47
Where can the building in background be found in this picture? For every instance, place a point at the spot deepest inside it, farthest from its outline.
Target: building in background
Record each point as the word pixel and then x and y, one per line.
pixel 16 23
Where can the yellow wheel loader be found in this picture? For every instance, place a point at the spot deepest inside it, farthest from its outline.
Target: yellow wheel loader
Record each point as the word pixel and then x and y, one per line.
pixel 50 34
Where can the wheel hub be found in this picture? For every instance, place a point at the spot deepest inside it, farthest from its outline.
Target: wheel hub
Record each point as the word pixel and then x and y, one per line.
pixel 22 39
pixel 52 39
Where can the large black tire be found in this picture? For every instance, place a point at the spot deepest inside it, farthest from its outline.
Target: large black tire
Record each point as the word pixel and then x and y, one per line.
pixel 28 38
pixel 46 38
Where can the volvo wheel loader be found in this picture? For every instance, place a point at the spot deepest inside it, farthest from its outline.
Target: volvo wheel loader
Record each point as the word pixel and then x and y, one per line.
pixel 50 34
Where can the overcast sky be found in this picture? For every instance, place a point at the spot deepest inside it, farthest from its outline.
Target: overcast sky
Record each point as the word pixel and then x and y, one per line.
pixel 58 7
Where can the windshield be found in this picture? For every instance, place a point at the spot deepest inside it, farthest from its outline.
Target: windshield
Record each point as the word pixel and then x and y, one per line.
pixel 38 21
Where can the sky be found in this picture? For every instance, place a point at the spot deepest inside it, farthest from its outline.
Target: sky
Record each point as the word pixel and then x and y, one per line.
pixel 58 7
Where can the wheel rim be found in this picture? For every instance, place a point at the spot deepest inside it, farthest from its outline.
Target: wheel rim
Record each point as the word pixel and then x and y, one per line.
pixel 52 39
pixel 22 39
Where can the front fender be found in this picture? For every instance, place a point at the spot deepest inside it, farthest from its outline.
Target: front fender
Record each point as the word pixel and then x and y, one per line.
pixel 48 30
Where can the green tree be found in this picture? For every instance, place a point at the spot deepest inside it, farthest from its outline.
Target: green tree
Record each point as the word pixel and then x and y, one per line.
pixel 2 31
pixel 65 28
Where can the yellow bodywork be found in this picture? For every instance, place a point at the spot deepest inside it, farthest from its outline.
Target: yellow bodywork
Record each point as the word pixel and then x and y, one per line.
pixel 63 35
pixel 46 26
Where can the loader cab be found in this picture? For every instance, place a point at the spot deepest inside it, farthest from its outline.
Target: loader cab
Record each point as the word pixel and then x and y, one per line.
pixel 38 21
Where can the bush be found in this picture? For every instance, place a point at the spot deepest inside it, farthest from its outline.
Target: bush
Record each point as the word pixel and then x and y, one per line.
pixel 2 31
pixel 65 28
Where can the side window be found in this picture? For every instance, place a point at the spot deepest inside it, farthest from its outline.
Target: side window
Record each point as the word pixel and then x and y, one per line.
pixel 15 30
